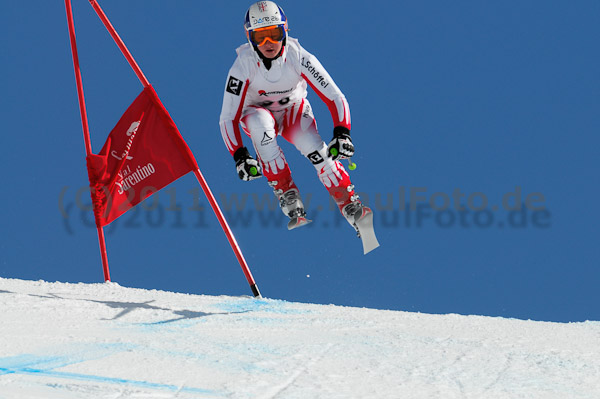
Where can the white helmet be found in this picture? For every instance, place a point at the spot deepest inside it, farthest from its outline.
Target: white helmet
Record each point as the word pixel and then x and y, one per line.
pixel 262 15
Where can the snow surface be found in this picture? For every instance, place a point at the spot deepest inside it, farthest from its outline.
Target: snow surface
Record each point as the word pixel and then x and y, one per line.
pixel 68 341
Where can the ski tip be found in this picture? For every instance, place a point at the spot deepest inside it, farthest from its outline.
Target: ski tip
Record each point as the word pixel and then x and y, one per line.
pixel 366 249
pixel 298 222
pixel 364 223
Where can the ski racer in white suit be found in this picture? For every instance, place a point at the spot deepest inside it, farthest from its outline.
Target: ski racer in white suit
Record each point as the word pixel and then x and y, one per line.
pixel 265 94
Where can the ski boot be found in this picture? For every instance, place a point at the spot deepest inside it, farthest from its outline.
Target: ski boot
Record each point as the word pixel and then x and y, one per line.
pixel 353 209
pixel 291 205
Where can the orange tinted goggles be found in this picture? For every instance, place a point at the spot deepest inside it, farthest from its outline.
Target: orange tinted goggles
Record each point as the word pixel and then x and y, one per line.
pixel 274 34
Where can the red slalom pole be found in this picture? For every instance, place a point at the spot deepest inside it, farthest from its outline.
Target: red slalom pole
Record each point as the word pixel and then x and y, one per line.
pixel 211 198
pixel 120 43
pixel 230 237
pixel 86 130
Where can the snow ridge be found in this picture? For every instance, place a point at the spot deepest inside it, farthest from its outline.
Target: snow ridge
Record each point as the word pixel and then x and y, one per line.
pixel 67 341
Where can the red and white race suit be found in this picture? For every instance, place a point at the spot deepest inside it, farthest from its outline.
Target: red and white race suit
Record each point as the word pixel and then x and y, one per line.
pixel 272 102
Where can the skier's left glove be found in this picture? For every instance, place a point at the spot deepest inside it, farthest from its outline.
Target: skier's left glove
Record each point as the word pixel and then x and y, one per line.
pixel 247 167
pixel 341 146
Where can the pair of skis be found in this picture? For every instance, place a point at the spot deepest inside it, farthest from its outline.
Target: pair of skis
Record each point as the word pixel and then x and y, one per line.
pixel 363 223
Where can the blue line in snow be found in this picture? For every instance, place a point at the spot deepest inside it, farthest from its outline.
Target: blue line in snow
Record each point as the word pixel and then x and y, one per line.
pixel 96 378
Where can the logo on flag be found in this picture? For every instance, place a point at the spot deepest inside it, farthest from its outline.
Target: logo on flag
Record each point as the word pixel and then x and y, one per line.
pixel 130 132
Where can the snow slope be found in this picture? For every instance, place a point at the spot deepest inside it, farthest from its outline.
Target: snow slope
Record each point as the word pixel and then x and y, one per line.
pixel 106 341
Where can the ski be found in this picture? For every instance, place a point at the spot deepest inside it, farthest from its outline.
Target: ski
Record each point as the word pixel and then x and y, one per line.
pixel 364 224
pixel 296 222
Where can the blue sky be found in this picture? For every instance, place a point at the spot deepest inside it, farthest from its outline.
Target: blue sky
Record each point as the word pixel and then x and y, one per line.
pixel 468 100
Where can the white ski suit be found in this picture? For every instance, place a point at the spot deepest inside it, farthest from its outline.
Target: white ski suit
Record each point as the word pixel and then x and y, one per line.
pixel 272 102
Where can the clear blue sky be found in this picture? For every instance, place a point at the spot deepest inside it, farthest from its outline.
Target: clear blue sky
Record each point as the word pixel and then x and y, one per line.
pixel 449 100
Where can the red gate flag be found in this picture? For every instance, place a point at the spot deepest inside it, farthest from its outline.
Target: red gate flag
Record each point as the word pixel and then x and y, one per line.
pixel 143 153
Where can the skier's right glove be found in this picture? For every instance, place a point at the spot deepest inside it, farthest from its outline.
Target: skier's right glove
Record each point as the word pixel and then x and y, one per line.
pixel 247 167
pixel 341 146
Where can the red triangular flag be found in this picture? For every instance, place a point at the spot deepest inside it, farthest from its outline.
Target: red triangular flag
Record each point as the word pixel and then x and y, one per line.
pixel 143 153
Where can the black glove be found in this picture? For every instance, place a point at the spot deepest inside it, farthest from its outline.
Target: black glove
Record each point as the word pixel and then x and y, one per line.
pixel 341 145
pixel 247 167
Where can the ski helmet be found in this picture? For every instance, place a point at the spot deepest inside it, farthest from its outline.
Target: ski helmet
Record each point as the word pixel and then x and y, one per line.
pixel 265 21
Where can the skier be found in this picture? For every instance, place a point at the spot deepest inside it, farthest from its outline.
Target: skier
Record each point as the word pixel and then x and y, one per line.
pixel 266 93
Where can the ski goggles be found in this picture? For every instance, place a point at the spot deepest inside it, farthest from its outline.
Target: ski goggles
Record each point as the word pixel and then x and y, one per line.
pixel 273 34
